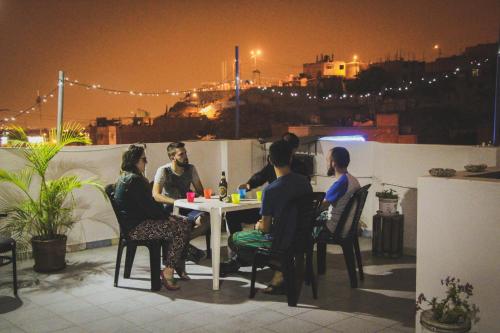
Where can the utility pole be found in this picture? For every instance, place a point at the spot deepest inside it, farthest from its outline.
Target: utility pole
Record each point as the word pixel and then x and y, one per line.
pixel 496 120
pixel 60 105
pixel 237 82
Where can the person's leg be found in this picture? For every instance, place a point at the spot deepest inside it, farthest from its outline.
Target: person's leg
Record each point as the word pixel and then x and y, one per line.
pixel 244 244
pixel 234 221
pixel 176 233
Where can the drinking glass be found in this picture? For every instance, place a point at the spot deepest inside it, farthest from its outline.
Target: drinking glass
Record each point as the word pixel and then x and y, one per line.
pixel 259 195
pixel 190 196
pixel 235 198
pixel 207 193
pixel 242 192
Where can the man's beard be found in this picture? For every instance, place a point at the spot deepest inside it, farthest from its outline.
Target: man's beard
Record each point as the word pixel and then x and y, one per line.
pixel 182 164
pixel 331 171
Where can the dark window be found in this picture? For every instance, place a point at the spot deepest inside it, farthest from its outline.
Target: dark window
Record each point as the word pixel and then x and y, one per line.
pixel 341 67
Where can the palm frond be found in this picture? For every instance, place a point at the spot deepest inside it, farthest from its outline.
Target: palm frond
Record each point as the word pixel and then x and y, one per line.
pixel 21 179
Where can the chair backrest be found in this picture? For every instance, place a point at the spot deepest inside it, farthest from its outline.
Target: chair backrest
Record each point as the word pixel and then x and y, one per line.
pixel 110 191
pixel 349 220
pixel 306 208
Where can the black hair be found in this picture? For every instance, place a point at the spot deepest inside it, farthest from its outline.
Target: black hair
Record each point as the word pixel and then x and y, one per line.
pixel 292 139
pixel 172 147
pixel 280 153
pixel 131 157
pixel 340 156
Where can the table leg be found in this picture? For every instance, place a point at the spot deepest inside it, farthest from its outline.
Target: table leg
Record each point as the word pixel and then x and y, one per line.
pixel 215 227
pixel 176 210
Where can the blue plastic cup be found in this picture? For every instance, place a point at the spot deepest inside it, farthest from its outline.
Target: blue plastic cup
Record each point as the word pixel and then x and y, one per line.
pixel 242 193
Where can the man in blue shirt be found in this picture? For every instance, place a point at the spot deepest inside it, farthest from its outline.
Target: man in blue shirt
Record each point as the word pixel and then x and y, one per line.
pixel 275 200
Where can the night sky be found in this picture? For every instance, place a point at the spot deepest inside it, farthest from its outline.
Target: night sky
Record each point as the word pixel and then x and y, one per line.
pixel 149 45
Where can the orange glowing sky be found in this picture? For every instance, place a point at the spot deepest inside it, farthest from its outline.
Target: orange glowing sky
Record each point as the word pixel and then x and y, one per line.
pixel 148 45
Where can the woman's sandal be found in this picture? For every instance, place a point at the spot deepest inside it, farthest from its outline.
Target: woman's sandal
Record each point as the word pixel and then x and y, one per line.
pixel 169 283
pixel 183 276
pixel 274 290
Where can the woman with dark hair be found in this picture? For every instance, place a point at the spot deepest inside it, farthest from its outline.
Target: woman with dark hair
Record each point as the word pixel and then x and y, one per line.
pixel 144 218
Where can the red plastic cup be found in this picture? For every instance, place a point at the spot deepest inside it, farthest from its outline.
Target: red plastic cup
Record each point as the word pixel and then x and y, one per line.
pixel 190 196
pixel 207 193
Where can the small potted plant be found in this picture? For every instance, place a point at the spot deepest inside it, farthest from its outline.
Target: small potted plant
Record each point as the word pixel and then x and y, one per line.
pixel 387 201
pixel 452 313
pixel 42 215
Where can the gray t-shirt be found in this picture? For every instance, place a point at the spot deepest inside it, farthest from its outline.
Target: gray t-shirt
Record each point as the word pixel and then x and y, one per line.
pixel 174 185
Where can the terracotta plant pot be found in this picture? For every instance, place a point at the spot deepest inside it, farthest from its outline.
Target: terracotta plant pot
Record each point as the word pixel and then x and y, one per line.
pixel 49 255
pixel 431 325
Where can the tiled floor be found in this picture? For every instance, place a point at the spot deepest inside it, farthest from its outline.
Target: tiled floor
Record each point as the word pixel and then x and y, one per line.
pixel 82 299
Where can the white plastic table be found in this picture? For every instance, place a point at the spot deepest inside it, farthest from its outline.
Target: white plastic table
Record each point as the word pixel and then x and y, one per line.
pixel 215 208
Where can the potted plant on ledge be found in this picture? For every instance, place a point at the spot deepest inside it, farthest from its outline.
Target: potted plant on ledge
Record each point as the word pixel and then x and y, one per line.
pixel 42 216
pixel 451 314
pixel 387 201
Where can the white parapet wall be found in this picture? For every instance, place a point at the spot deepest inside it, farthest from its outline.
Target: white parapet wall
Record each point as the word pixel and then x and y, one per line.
pixel 398 165
pixel 458 235
pixel 95 219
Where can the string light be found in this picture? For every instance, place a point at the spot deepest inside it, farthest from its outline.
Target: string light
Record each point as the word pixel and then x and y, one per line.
pixel 27 110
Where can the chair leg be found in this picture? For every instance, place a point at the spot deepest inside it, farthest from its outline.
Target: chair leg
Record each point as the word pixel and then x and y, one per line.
pixel 155 265
pixel 254 277
pixel 14 267
pixel 310 276
pixel 118 262
pixel 290 282
pixel 321 257
pixel 209 250
pixel 129 260
pixel 358 259
pixel 348 250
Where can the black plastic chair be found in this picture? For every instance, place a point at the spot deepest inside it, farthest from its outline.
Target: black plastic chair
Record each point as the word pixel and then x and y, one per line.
pixel 345 235
pixel 291 256
pixel 6 245
pixel 154 247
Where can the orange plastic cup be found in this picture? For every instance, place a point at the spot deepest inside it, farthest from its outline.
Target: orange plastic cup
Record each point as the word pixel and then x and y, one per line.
pixel 207 193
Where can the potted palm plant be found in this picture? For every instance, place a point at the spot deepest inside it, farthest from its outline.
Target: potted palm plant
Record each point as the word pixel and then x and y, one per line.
pixel 43 214
pixel 451 314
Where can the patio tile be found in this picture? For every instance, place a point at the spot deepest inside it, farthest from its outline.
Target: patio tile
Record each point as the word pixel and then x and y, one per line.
pixel 180 306
pixel 35 313
pixel 144 316
pixel 41 297
pixel 122 306
pixel 111 325
pixel 173 325
pixel 291 325
pixel 12 329
pixel 49 324
pixel 356 325
pixel 263 316
pixel 322 317
pixel 68 306
pixel 86 315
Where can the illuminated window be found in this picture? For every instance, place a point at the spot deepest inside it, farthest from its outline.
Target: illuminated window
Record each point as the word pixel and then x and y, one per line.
pixel 475 72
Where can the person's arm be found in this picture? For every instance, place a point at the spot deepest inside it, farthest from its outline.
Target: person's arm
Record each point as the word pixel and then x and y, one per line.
pixel 198 186
pixel 337 190
pixel 159 182
pixel 261 177
pixel 264 224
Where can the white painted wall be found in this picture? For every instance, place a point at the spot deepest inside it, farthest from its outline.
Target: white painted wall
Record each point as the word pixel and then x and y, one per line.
pixel 95 218
pixel 399 165
pixel 458 235
pixel 371 162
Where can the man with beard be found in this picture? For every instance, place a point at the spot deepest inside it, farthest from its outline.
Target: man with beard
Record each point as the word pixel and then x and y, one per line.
pixel 172 181
pixel 339 193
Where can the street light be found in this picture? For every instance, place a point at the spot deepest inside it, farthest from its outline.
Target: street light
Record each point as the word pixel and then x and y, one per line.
pixel 254 54
pixel 438 49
